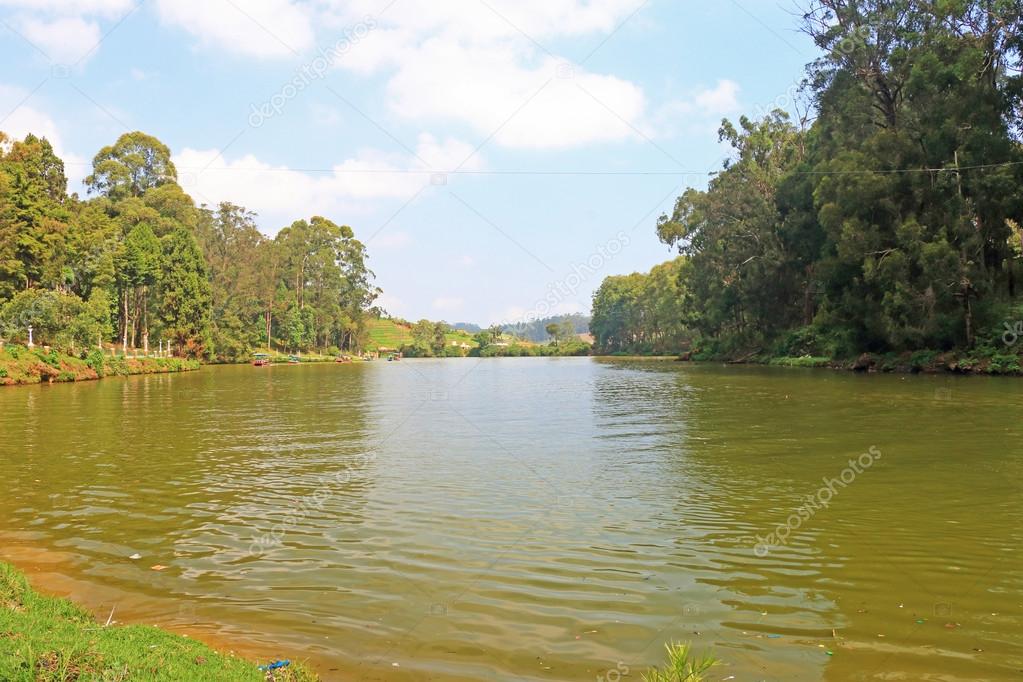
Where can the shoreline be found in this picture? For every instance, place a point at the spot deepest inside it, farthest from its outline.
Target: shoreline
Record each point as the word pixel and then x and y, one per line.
pixel 31 599
pixel 909 362
pixel 23 366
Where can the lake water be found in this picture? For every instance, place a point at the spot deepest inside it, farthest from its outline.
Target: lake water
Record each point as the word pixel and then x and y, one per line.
pixel 536 519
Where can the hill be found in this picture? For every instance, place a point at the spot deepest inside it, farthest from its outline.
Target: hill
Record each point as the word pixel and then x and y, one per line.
pixel 536 331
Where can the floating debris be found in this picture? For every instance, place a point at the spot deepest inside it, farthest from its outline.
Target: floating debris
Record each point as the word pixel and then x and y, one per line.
pixel 135 556
pixel 157 567
pixel 275 665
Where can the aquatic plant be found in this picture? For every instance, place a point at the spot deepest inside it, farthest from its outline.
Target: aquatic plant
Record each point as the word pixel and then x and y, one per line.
pixel 683 665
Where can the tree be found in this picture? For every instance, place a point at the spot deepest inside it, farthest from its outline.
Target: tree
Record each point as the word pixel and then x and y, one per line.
pixel 137 162
pixel 186 300
pixel 553 330
pixel 138 269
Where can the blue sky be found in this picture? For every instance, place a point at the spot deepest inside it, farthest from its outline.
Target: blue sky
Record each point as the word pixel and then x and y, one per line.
pixel 468 142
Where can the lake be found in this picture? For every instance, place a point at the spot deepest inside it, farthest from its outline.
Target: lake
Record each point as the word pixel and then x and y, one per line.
pixel 535 519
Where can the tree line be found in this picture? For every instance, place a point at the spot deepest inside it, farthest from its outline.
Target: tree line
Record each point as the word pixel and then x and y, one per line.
pixel 886 218
pixel 138 264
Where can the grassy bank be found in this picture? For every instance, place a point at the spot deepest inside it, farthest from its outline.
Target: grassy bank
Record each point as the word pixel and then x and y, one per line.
pixel 21 365
pixel 46 639
pixel 980 361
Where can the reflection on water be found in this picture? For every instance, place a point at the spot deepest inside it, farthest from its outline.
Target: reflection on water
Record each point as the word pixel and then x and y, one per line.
pixel 534 519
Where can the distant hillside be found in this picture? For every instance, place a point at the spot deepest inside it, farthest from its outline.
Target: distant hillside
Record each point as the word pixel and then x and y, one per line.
pixel 537 331
pixel 467 327
pixel 393 334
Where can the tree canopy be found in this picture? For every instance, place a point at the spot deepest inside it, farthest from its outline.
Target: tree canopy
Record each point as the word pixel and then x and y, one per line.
pixel 888 222
pixel 139 263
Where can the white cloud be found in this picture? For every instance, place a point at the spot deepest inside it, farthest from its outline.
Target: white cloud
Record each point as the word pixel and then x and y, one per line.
pixel 107 8
pixel 473 62
pixel 24 119
pixel 280 194
pixel 64 30
pixel 549 105
pixel 448 304
pixel 65 40
pixel 495 19
pixel 255 28
pixel 722 99
pixel 701 111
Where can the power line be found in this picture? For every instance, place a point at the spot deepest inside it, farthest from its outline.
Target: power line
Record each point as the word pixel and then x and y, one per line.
pixel 674 173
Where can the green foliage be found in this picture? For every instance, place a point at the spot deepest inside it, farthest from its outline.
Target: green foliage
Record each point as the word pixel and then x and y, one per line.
pixel 134 164
pixel 186 300
pixel 140 264
pixel 644 313
pixel 801 361
pixel 890 223
pixel 683 666
pixel 1002 363
pixel 95 359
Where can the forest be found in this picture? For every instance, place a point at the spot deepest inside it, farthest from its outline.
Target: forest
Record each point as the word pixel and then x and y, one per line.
pixel 885 216
pixel 138 265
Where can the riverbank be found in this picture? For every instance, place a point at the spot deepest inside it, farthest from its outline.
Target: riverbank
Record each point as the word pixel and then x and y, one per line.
pixel 48 638
pixel 980 362
pixel 20 365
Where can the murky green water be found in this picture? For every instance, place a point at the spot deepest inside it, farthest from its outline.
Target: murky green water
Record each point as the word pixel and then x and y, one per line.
pixel 530 519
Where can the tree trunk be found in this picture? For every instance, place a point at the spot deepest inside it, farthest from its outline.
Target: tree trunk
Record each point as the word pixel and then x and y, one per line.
pixel 145 320
pixel 124 323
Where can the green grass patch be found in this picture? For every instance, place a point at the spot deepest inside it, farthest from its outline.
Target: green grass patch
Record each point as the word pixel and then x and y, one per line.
pixel 21 365
pixel 47 639
pixel 801 361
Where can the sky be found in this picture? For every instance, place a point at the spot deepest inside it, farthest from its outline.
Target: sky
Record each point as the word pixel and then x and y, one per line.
pixel 499 158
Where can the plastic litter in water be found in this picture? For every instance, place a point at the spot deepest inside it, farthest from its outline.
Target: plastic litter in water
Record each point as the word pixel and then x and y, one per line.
pixel 275 665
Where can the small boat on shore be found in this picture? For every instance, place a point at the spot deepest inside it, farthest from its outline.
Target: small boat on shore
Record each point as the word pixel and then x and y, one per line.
pixel 293 360
pixel 260 360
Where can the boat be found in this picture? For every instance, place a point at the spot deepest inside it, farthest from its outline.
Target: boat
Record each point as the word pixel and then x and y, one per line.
pixel 293 360
pixel 260 360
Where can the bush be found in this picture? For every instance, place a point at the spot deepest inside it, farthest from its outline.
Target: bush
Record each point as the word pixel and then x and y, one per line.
pixel 95 360
pixel 1004 364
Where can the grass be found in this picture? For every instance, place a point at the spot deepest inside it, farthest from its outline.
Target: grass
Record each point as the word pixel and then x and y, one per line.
pixel 801 361
pixel 387 334
pixel 21 365
pixel 683 666
pixel 384 333
pixel 47 639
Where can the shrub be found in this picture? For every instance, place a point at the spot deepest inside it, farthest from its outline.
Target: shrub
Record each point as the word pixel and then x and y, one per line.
pixel 1004 364
pixel 683 666
pixel 95 361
